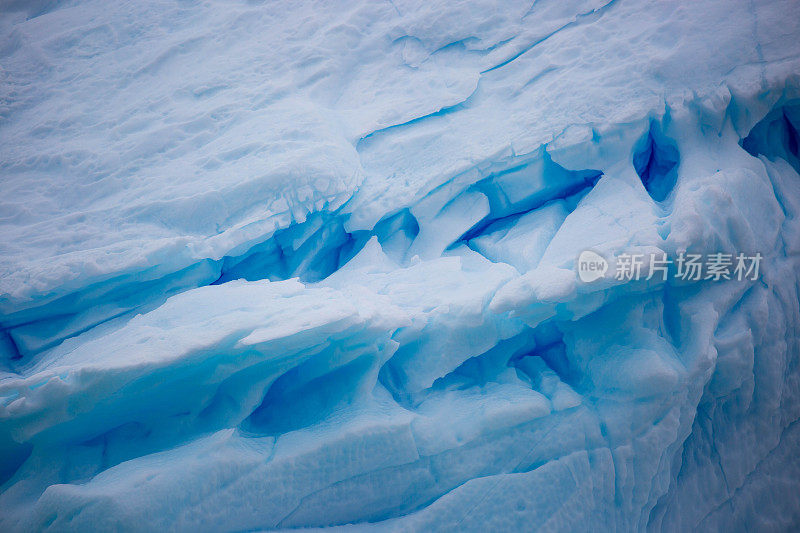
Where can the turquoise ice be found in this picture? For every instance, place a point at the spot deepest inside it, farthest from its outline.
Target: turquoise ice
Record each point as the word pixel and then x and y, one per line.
pixel 270 265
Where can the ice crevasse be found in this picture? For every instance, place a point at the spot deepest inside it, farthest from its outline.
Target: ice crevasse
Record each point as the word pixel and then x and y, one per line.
pixel 271 265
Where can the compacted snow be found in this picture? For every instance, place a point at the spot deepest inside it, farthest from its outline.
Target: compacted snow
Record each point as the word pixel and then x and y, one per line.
pixel 271 265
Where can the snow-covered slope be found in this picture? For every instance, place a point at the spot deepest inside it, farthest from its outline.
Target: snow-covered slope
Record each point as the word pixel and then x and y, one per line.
pixel 305 264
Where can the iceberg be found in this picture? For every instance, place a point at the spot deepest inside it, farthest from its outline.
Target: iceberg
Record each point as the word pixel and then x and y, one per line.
pixel 272 265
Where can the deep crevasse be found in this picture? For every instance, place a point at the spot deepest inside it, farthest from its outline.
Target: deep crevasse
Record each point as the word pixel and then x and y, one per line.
pixel 271 266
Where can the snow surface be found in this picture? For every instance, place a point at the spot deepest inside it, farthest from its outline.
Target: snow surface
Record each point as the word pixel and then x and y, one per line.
pixel 267 265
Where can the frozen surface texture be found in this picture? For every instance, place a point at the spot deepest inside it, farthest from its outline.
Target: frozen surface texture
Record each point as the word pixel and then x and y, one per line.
pixel 269 265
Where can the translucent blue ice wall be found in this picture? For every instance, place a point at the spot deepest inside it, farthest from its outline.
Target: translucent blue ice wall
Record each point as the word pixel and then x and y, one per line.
pixel 270 265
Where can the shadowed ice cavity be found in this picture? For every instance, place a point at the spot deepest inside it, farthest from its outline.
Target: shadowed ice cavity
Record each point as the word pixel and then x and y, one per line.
pixel 656 161
pixel 310 250
pixel 777 135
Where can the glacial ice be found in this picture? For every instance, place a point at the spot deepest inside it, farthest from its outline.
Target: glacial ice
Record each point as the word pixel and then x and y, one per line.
pixel 313 264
